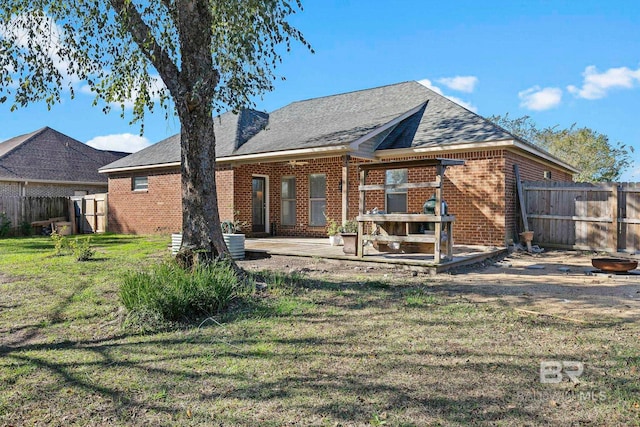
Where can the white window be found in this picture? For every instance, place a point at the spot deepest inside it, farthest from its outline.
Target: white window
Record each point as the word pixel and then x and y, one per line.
pixel 317 199
pixel 140 183
pixel 288 198
pixel 396 198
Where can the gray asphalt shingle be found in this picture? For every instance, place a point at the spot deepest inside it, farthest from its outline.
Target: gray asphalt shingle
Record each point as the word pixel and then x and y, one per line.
pixel 49 155
pixel 337 120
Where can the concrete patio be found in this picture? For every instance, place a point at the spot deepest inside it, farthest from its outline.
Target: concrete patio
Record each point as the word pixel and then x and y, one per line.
pixel 310 247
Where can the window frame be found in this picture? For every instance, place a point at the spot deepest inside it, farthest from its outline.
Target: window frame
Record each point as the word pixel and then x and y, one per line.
pixel 288 200
pixel 396 192
pixel 322 220
pixel 136 187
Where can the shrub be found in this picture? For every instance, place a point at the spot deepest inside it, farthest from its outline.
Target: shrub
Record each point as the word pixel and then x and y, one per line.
pixel 26 229
pixel 333 228
pixel 81 249
pixel 59 242
pixel 5 224
pixel 174 294
pixel 350 226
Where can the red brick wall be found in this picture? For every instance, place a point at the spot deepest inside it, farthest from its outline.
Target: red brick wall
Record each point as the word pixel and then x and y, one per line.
pixel 157 210
pixel 481 194
pixel 473 192
pixel 331 167
pixel 225 182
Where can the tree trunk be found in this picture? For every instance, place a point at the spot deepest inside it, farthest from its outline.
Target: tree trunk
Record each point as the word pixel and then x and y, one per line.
pixel 202 238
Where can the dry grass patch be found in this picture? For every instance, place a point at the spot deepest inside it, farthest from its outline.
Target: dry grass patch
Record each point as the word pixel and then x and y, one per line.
pixel 314 349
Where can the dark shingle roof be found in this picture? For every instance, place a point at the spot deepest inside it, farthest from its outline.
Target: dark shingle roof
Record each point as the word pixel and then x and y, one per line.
pixel 338 120
pixel 231 131
pixel 49 155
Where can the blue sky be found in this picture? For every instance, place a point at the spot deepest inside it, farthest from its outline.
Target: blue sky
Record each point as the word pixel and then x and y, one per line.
pixel 560 62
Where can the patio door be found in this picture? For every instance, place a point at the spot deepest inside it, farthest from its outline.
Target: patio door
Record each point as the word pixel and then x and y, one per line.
pixel 258 203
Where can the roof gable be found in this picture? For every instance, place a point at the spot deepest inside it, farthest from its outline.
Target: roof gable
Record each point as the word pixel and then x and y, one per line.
pixel 363 123
pixel 48 155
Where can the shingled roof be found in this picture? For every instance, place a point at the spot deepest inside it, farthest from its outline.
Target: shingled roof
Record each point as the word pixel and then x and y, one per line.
pixel 403 115
pixel 48 155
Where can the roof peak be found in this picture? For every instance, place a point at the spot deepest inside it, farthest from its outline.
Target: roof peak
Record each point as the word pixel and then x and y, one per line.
pixel 350 92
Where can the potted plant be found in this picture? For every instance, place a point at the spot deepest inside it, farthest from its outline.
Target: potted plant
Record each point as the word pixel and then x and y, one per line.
pixel 233 238
pixel 349 233
pixel 333 231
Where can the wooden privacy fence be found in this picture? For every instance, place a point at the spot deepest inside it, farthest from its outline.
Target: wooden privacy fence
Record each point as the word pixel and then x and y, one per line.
pixel 88 214
pixel 601 216
pixel 21 209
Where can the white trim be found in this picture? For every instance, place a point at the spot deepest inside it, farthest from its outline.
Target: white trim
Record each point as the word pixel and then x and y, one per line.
pixel 47 181
pixel 267 202
pixel 295 199
pixel 286 154
pixel 136 168
pixel 546 156
pixel 469 146
pixel 309 199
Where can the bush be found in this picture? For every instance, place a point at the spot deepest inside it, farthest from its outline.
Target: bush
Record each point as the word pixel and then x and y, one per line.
pixel 5 224
pixel 26 229
pixel 174 294
pixel 81 249
pixel 60 242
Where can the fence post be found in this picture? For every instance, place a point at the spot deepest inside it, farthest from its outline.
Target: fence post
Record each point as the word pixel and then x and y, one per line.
pixel 615 232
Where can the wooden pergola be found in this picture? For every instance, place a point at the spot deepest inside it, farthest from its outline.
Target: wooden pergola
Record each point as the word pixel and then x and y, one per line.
pixel 443 224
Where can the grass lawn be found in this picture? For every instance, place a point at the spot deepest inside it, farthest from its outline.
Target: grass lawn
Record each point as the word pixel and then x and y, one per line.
pixel 319 351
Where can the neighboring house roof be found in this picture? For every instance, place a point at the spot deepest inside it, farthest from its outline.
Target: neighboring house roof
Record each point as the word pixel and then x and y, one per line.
pixel 401 116
pixel 50 156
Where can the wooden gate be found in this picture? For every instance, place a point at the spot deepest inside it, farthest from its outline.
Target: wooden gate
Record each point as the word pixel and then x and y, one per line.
pixel 89 213
pixel 600 216
pixel 629 217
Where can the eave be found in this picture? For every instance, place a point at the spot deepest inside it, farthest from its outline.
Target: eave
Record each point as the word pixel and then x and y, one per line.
pixel 508 144
pixel 51 181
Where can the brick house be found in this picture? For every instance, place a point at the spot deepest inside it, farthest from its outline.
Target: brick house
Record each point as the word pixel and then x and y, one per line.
pixel 283 172
pixel 49 163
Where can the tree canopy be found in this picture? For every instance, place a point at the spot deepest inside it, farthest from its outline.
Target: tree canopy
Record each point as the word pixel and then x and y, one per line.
pixel 191 57
pixel 588 150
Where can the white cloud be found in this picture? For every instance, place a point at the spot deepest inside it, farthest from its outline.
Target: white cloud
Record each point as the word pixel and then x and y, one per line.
pixel 539 99
pixel 596 85
pixel 460 83
pixel 28 31
pixel 465 104
pixel 127 142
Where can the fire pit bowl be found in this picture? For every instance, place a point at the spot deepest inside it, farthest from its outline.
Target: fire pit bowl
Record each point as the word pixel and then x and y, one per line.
pixel 616 265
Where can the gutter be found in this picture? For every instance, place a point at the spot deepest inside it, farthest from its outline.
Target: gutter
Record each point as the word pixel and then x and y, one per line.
pixel 485 145
pixel 48 181
pixel 143 167
pixel 251 158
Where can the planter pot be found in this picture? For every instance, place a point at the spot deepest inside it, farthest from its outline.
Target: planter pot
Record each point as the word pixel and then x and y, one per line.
pixel 176 242
pixel 350 242
pixel 335 240
pixel 235 244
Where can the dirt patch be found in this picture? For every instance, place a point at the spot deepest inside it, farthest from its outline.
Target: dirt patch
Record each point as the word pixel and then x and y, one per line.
pixel 557 283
